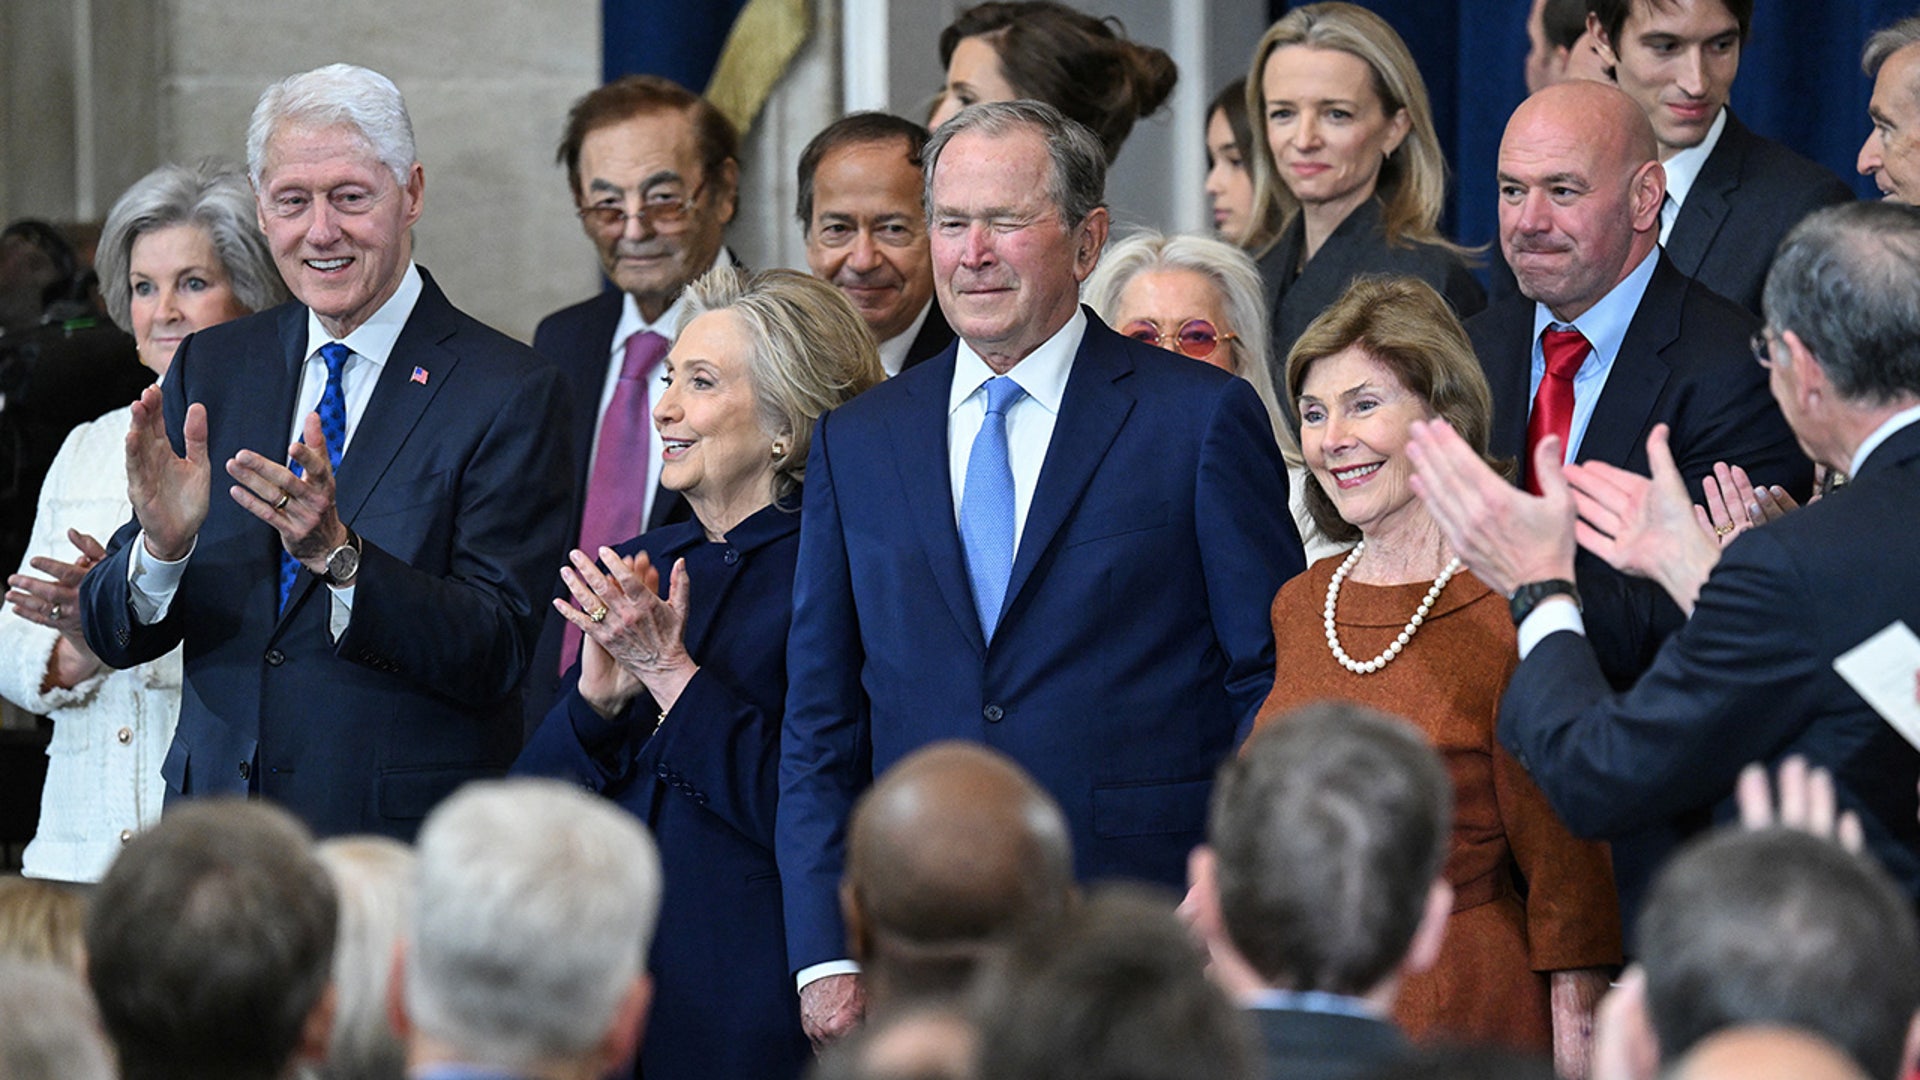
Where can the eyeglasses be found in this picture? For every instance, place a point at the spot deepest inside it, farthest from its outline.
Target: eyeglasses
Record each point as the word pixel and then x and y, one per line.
pixel 1196 337
pixel 658 211
pixel 1763 348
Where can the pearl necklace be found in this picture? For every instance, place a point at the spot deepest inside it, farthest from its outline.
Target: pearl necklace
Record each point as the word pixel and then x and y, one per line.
pixel 1368 667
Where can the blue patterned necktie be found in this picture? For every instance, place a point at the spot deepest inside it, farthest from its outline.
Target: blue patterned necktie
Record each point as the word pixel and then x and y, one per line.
pixel 333 428
pixel 986 506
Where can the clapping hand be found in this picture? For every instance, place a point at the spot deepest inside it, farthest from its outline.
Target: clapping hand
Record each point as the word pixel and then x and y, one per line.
pixel 632 639
pixel 1734 504
pixel 54 601
pixel 168 492
pixel 1644 525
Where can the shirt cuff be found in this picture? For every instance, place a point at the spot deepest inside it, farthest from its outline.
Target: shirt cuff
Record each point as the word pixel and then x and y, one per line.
pixel 339 610
pixel 152 582
pixel 814 973
pixel 1550 616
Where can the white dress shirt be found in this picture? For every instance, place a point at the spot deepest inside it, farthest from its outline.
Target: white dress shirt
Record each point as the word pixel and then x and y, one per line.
pixel 893 351
pixel 153 583
pixel 1683 169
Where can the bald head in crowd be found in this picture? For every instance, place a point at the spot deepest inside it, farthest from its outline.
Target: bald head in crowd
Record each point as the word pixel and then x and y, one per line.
pixel 1580 192
pixel 951 850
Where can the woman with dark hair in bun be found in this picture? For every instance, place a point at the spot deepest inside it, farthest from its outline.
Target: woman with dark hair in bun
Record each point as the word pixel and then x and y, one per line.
pixel 1044 51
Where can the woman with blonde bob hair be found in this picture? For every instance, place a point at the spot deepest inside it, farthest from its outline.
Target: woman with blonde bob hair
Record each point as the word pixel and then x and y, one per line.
pixel 1344 147
pixel 675 706
pixel 1202 298
pixel 1394 625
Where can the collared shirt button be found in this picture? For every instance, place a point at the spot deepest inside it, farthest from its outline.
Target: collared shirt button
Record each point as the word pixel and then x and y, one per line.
pixel 125 735
pixel 993 713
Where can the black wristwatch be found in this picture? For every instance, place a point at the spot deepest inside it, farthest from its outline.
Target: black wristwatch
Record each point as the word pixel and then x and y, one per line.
pixel 343 562
pixel 1528 596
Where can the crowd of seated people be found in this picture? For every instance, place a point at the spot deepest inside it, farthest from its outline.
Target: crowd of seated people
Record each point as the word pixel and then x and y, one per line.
pixel 880 651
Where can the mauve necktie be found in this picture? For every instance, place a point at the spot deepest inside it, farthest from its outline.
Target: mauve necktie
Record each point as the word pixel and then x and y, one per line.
pixel 986 506
pixel 1564 351
pixel 617 489
pixel 333 427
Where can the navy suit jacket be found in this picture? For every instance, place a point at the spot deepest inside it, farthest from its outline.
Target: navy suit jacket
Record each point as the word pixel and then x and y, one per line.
pixel 460 501
pixel 1748 678
pixel 1750 192
pixel 934 336
pixel 578 340
pixel 1302 1045
pixel 705 783
pixel 1684 362
pixel 1134 646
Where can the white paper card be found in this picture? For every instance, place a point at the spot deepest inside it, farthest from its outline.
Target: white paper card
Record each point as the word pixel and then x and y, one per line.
pixel 1882 670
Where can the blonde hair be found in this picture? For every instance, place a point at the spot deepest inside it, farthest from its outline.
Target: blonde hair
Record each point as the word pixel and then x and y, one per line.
pixel 43 922
pixel 1413 180
pixel 1407 327
pixel 1233 276
pixel 810 352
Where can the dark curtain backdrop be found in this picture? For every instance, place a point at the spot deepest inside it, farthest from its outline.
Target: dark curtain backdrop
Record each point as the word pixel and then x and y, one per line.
pixel 1800 82
pixel 680 39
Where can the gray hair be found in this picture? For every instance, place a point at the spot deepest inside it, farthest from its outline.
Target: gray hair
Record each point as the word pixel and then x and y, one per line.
pixel 1844 282
pixel 810 352
pixel 211 194
pixel 330 96
pixel 49 1026
pixel 1235 278
pixel 535 903
pixel 1887 41
pixel 1329 830
pixel 1077 184
pixel 374 877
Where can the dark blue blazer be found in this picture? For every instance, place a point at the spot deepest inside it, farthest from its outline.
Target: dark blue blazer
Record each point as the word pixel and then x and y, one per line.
pixel 1748 678
pixel 578 340
pixel 705 783
pixel 461 503
pixel 1134 647
pixel 1750 192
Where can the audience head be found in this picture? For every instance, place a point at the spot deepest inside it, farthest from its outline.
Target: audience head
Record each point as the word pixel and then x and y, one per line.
pixel 1562 48
pixel 1676 58
pixel 655 172
pixel 37 267
pixel 533 908
pixel 43 922
pixel 1387 353
pixel 1780 927
pixel 784 347
pixel 1007 291
pixel 49 1025
pixel 209 945
pixel 1044 51
pixel 1580 193
pixel 1192 295
pixel 373 876
pixel 338 188
pixel 1891 154
pixel 923 1042
pixel 1236 216
pixel 182 251
pixel 1765 1053
pixel 1328 56
pixel 862 211
pixel 952 852
pixel 1115 989
pixel 1842 337
pixel 1324 850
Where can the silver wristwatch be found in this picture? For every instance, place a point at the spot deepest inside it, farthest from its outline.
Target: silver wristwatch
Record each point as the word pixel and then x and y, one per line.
pixel 343 562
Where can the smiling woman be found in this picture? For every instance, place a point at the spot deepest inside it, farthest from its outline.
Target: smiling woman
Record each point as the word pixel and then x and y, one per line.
pixel 1395 624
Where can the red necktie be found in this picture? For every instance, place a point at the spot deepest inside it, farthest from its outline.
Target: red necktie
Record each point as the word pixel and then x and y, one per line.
pixel 617 486
pixel 1552 414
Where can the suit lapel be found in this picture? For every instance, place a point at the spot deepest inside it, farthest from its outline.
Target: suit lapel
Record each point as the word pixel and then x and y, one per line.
pixel 920 452
pixel 1508 363
pixel 1708 202
pixel 1621 416
pixel 1092 410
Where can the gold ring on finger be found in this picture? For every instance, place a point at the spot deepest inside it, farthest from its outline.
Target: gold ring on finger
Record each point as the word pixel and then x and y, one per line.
pixel 56 611
pixel 284 497
pixel 598 614
pixel 1722 530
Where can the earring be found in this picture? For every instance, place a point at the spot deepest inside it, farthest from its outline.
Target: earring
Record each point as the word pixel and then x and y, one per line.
pixel 779 449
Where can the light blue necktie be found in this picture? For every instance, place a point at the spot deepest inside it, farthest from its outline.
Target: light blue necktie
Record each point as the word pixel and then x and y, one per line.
pixel 986 506
pixel 333 427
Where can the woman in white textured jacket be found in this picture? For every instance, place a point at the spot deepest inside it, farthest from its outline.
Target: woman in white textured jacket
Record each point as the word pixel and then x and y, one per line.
pixel 180 252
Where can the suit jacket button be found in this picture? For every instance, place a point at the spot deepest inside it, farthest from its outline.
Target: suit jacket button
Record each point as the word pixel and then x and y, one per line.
pixel 120 635
pixel 275 657
pixel 246 770
pixel 993 713
pixel 730 557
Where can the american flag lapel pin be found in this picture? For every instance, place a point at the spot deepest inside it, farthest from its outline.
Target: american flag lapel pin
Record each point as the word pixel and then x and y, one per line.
pixel 420 375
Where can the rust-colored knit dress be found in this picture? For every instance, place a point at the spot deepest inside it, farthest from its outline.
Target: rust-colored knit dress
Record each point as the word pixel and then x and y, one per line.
pixel 1491 982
